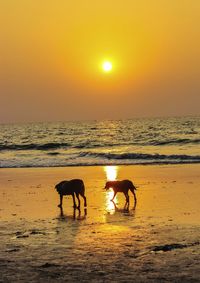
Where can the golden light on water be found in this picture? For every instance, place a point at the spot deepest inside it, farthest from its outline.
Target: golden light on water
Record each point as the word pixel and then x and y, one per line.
pixel 111 172
pixel 109 203
pixel 111 175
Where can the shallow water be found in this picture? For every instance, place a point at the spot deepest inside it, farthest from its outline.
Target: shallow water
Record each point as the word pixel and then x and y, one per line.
pixel 157 241
pixel 137 141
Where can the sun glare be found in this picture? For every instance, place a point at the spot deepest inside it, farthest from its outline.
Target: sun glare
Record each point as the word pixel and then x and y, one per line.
pixel 107 66
pixel 111 172
pixel 111 175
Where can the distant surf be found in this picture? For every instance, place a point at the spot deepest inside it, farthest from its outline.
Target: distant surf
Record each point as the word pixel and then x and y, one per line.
pixel 136 141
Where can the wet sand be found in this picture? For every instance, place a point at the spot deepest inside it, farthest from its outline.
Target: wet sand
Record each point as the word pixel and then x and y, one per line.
pixel 157 241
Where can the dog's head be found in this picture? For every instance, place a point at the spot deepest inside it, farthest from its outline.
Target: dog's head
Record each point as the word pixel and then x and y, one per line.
pixel 108 185
pixel 59 186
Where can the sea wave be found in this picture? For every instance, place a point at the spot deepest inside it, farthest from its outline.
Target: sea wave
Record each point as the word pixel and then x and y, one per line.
pixel 90 145
pixel 141 156
pixel 32 146
pixel 134 141
pixel 174 141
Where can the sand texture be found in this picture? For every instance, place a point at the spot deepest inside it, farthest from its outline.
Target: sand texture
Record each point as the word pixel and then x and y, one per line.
pixel 158 240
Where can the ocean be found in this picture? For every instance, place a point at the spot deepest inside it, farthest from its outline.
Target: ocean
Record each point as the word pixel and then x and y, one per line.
pixel 107 142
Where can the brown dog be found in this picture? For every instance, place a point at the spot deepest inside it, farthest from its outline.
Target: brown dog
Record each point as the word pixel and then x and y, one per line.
pixel 72 187
pixel 122 186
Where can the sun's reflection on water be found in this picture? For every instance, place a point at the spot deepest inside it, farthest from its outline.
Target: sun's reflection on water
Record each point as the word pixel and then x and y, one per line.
pixel 111 172
pixel 111 175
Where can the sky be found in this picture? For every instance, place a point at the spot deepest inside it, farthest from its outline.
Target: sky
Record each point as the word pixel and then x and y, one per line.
pixel 52 51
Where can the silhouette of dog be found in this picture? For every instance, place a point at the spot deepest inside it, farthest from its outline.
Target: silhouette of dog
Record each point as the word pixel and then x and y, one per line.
pixel 72 187
pixel 122 186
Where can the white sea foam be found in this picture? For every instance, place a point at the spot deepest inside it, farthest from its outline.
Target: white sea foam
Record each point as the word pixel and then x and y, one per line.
pixel 136 141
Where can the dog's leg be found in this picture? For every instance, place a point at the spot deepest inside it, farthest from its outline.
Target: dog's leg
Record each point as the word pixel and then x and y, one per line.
pixel 127 198
pixel 77 196
pixel 134 195
pixel 74 202
pixel 61 199
pixel 114 196
pixel 135 199
pixel 126 206
pixel 61 211
pixel 85 201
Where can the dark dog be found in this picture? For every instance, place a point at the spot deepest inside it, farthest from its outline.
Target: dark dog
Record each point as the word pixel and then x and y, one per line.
pixel 72 187
pixel 121 186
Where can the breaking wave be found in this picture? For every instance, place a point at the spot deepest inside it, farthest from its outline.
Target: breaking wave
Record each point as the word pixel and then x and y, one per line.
pixel 46 146
pixel 143 157
pixel 136 141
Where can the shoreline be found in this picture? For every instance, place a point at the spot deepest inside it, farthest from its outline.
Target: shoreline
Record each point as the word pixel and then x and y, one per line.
pixel 157 241
pixel 106 164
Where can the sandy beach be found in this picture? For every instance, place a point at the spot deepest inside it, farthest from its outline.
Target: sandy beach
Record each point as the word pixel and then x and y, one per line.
pixel 157 241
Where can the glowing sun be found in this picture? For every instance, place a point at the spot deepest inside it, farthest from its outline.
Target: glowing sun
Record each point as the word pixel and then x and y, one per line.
pixel 107 66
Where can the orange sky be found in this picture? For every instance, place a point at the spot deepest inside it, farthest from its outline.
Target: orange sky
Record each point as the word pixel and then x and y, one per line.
pixel 51 53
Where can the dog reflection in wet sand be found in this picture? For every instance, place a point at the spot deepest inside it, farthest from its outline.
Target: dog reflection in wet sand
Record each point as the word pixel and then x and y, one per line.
pixel 75 216
pixel 72 187
pixel 122 186
pixel 125 209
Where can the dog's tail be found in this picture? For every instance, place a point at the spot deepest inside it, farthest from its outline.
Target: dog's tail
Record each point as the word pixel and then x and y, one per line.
pixel 133 189
pixel 83 186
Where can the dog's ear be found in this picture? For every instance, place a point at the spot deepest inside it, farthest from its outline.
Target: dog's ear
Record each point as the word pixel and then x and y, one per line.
pixel 107 185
